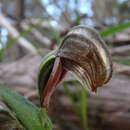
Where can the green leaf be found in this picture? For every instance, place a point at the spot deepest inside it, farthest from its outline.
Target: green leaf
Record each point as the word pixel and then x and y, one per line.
pixel 115 29
pixel 26 112
pixel 125 62
pixel 77 17
pixel 71 97
pixel 83 108
pixel 7 119
pixel 79 106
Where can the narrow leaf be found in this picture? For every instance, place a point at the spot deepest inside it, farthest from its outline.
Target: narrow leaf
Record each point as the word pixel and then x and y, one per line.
pixel 115 29
pixel 7 119
pixel 26 112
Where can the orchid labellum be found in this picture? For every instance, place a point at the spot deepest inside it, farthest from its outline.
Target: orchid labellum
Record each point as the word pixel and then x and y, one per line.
pixel 82 52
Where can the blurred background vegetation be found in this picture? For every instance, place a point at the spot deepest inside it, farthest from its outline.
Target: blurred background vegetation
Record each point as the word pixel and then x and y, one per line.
pixel 43 22
pixel 31 28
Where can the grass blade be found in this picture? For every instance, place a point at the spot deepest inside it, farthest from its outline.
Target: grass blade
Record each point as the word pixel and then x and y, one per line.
pixel 83 108
pixel 75 106
pixel 115 29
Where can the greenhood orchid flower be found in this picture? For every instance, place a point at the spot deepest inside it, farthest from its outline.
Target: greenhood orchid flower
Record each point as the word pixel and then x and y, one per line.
pixel 82 52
